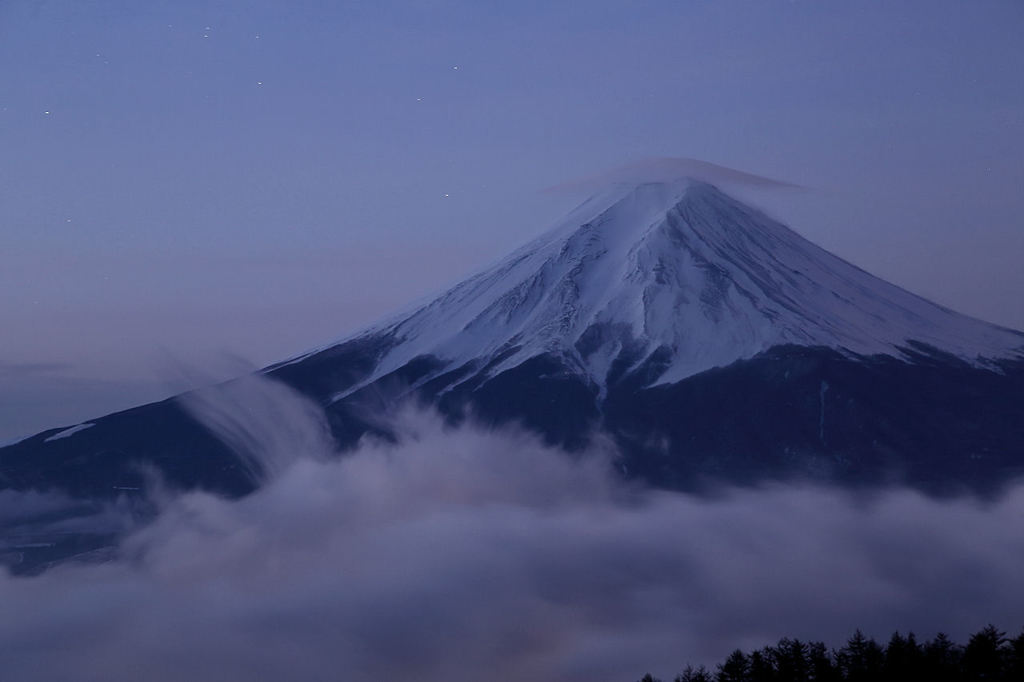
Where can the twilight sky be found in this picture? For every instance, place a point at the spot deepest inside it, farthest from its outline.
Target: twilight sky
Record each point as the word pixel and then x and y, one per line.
pixel 184 181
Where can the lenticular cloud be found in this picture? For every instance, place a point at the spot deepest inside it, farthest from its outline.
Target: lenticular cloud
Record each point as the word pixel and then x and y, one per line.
pixel 470 554
pixel 669 169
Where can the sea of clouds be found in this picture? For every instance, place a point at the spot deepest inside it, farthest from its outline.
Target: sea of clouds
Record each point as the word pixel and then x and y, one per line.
pixel 468 553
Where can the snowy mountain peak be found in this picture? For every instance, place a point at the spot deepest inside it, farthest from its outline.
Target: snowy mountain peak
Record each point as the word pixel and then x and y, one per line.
pixel 644 285
pixel 680 275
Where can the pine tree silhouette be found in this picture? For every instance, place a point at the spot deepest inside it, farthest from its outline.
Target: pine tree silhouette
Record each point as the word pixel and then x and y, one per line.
pixel 823 668
pixel 761 669
pixel 985 654
pixel 1015 662
pixel 861 660
pixel 791 660
pixel 902 658
pixel 735 669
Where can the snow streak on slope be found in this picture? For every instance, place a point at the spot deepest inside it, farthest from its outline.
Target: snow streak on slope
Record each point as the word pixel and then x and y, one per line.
pixel 681 270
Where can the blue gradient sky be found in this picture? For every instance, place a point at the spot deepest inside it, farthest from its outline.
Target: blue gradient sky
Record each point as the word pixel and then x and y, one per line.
pixel 184 180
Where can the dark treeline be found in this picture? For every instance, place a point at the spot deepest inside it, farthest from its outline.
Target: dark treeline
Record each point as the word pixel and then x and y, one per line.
pixel 989 656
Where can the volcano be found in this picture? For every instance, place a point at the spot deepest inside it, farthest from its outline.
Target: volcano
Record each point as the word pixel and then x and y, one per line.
pixel 710 342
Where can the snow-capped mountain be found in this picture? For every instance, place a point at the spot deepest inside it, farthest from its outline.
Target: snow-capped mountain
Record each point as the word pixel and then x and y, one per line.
pixel 676 270
pixel 708 341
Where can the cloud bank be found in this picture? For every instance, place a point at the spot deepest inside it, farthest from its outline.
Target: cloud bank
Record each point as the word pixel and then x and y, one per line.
pixel 470 554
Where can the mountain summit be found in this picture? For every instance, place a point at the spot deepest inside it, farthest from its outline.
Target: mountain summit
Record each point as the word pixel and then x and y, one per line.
pixel 678 278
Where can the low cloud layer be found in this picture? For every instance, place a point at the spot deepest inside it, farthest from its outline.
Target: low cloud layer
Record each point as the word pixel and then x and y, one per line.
pixel 468 554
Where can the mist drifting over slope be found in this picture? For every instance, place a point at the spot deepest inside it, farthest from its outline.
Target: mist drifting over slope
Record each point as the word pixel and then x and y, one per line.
pixel 465 554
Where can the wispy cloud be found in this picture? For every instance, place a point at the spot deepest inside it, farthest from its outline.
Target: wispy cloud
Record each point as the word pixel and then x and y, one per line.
pixel 668 169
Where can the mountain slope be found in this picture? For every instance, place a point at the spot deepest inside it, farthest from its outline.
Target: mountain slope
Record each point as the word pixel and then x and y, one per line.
pixel 704 337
